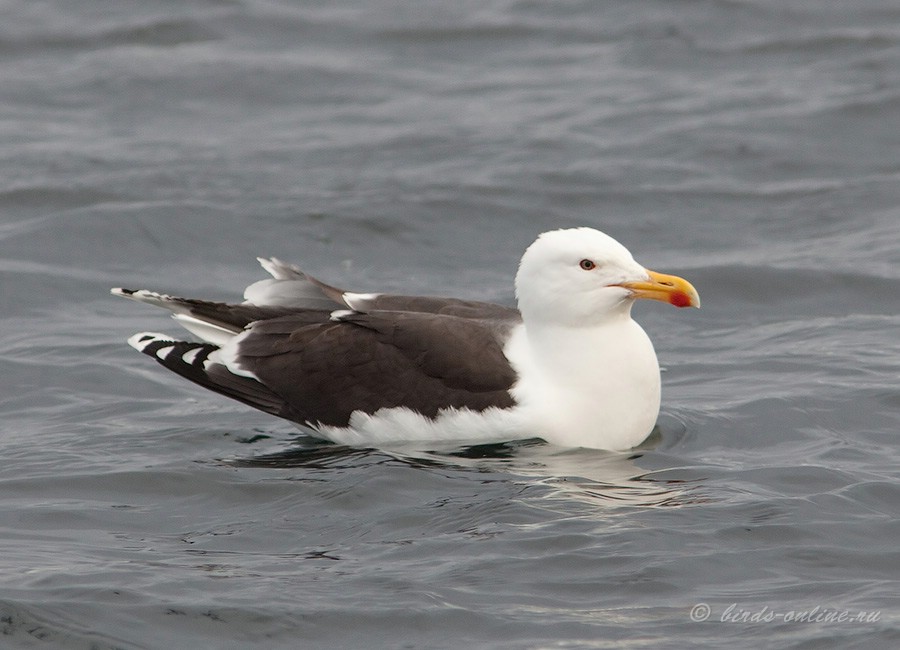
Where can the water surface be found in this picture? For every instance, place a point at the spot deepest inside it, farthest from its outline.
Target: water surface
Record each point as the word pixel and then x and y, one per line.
pixel 750 146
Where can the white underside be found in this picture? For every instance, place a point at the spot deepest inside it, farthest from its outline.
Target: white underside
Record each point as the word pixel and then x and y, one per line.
pixel 394 425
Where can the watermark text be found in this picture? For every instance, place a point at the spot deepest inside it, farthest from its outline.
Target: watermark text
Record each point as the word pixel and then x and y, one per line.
pixel 733 613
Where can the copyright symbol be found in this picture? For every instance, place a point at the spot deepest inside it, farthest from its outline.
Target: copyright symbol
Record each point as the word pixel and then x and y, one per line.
pixel 700 612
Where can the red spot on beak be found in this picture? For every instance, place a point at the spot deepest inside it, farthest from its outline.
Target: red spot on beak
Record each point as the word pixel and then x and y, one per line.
pixel 680 299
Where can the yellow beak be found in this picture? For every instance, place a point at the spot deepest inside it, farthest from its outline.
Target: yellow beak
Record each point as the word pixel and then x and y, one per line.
pixel 667 288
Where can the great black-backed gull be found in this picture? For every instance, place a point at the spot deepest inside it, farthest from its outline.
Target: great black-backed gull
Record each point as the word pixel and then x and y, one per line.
pixel 569 365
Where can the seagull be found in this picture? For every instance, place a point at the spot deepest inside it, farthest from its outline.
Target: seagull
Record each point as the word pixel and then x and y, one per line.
pixel 569 365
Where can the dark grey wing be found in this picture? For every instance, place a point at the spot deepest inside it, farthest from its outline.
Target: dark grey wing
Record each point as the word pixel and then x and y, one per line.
pixel 318 358
pixel 225 316
pixel 425 362
pixel 472 309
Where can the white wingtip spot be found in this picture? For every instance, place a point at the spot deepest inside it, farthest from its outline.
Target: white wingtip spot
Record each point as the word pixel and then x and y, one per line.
pixel 191 355
pixel 164 352
pixel 142 339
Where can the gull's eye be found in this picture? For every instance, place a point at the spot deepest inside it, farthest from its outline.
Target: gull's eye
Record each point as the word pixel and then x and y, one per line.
pixel 587 265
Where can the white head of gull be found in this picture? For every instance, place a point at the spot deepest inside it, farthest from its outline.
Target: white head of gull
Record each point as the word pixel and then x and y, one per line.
pixel 588 372
pixel 570 365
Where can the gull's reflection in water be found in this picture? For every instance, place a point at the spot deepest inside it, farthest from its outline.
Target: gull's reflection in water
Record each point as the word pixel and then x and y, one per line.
pixel 591 475
pixel 595 476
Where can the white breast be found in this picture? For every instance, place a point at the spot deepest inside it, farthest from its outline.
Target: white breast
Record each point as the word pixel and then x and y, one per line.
pixel 587 386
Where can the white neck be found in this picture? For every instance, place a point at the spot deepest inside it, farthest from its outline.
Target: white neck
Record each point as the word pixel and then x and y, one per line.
pixel 594 386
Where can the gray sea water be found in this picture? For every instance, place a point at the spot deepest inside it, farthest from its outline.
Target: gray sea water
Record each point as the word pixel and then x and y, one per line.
pixel 752 146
